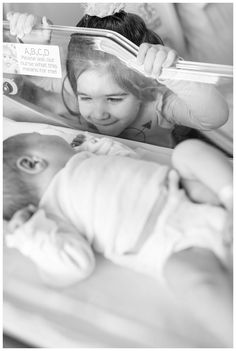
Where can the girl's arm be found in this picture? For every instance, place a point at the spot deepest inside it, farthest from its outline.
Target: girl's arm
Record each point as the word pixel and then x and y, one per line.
pixel 61 254
pixel 195 105
pixel 192 104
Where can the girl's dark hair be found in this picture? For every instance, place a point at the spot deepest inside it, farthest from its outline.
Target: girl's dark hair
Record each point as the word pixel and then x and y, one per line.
pixel 81 57
pixel 129 25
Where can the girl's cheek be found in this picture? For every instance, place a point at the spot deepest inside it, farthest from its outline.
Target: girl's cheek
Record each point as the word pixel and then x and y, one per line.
pixel 83 109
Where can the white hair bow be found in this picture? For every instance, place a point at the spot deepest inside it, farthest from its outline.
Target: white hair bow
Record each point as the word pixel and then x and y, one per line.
pixel 103 10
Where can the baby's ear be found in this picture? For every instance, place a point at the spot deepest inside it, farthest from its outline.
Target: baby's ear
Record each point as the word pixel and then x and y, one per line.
pixel 31 164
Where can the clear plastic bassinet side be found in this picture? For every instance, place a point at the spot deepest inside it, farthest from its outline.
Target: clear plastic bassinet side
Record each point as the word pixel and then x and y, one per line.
pixel 37 88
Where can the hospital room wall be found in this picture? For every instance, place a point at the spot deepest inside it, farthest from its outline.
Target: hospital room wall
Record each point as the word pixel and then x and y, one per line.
pixel 65 14
pixel 197 31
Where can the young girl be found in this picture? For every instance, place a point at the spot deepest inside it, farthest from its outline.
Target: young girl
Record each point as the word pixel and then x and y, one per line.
pixel 117 101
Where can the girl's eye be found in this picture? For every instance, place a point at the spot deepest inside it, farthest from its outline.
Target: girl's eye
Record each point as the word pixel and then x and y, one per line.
pixel 115 99
pixel 84 98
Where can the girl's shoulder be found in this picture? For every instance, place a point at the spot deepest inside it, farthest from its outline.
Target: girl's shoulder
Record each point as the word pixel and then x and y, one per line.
pixel 151 126
pixel 152 113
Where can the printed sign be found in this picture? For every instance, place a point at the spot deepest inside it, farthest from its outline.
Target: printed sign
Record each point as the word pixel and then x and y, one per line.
pixel 31 59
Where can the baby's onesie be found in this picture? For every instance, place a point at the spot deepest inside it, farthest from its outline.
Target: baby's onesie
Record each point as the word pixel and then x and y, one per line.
pixel 124 209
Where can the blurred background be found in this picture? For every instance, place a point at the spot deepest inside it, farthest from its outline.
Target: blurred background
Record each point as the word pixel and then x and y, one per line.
pixel 198 31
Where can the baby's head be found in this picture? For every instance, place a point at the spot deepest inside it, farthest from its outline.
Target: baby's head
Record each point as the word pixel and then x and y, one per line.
pixel 30 161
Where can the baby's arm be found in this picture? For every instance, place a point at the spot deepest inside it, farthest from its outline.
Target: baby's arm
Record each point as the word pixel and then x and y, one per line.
pixel 206 172
pixel 62 255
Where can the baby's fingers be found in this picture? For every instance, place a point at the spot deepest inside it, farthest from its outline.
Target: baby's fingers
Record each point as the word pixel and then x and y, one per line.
pixel 174 180
pixel 78 140
pixel 20 217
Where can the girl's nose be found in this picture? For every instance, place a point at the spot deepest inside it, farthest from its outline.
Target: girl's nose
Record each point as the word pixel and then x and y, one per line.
pixel 99 112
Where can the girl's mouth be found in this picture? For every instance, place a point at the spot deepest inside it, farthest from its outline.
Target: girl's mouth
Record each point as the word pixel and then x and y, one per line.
pixel 104 124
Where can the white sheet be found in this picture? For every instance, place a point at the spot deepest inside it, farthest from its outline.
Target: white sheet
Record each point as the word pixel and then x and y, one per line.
pixel 116 307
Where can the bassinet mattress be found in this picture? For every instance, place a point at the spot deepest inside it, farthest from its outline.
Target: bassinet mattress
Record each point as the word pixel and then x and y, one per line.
pixel 115 307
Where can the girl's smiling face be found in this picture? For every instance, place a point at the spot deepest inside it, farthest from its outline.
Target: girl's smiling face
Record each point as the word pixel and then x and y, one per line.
pixel 104 103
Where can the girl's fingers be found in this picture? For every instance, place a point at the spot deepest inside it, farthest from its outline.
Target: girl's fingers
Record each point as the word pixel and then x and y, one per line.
pixel 155 57
pixel 45 22
pixel 13 22
pixel 170 59
pixel 9 15
pixel 29 23
pixel 150 59
pixel 142 53
pixel 19 29
pixel 22 23
pixel 158 63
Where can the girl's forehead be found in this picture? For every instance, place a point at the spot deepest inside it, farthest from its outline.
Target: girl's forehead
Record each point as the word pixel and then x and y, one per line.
pixel 97 81
pixel 97 72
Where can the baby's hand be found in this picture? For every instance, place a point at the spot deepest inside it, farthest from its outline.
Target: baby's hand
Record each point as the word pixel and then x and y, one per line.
pixel 173 183
pixel 20 217
pixel 22 25
pixel 155 57
pixel 78 140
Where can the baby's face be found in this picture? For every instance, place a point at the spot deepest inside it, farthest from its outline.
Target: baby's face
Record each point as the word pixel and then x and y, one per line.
pixel 52 148
pixel 104 104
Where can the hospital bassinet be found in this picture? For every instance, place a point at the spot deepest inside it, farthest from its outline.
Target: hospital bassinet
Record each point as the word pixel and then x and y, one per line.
pixel 115 307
